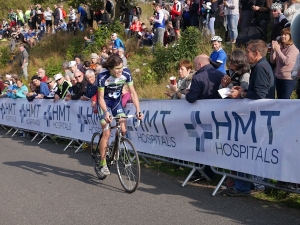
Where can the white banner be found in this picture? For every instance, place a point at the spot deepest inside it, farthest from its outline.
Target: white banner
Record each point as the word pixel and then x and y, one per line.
pixel 257 137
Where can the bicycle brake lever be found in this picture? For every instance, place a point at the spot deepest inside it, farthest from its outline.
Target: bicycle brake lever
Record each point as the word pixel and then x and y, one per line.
pixel 137 124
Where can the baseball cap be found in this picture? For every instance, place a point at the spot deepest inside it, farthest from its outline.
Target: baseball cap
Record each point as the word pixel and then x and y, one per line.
pixel 94 56
pixel 57 76
pixel 72 63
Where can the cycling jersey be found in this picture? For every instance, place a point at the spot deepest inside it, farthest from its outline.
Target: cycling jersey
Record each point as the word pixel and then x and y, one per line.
pixel 112 87
pixel 220 56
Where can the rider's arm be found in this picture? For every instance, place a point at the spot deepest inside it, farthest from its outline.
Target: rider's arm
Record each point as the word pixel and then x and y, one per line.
pixel 101 100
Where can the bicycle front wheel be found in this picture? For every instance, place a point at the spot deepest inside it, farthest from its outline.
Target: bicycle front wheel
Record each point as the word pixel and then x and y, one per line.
pixel 128 165
pixel 95 154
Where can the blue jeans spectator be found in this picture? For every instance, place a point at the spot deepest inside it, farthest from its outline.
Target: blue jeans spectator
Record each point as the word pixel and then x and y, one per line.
pixel 284 88
pixel 232 26
pixel 242 186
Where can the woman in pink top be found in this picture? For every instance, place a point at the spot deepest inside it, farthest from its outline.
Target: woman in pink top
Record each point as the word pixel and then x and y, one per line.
pixel 284 54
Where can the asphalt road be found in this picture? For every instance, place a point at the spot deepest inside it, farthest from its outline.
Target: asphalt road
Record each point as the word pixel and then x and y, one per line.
pixel 42 184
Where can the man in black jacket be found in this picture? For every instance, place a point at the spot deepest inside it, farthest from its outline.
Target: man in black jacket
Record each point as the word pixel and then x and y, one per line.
pixel 79 89
pixel 261 83
pixel 206 81
pixel 102 18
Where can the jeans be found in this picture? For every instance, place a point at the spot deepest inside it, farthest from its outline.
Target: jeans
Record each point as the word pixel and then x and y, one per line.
pixel 159 36
pixel 242 186
pixel 284 88
pixel 24 71
pixel 246 19
pixel 232 26
pixel 263 25
pixel 211 26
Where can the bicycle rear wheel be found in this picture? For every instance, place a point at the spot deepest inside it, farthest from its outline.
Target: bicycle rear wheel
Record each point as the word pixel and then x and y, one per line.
pixel 95 142
pixel 128 166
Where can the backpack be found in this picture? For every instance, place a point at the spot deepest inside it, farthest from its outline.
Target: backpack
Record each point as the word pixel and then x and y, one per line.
pixel 249 33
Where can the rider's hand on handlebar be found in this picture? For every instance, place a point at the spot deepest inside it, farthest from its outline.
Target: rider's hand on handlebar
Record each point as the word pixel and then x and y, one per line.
pixel 108 117
pixel 139 115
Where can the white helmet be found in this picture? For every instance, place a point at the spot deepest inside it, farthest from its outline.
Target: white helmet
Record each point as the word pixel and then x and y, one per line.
pixel 216 38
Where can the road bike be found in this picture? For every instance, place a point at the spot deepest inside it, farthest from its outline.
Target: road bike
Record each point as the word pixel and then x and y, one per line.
pixel 121 153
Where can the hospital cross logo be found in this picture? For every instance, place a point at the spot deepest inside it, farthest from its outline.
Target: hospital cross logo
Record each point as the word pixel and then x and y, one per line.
pixel 48 116
pixel 23 113
pixel 199 131
pixel 82 119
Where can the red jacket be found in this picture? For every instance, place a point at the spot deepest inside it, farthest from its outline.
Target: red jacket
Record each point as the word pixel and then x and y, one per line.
pixel 136 26
pixel 176 10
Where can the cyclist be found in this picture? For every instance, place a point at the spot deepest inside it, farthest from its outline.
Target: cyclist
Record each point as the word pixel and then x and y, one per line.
pixel 110 83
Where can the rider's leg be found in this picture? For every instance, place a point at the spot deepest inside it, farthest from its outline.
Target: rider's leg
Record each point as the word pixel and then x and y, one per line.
pixel 103 144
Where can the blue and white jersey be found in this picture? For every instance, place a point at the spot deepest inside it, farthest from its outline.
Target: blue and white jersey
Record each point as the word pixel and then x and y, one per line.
pixel 220 56
pixel 113 86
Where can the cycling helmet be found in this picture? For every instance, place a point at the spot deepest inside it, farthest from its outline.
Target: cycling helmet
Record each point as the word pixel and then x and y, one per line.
pixel 276 6
pixel 216 38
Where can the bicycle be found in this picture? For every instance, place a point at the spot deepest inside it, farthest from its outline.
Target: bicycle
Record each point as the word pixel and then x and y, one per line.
pixel 122 153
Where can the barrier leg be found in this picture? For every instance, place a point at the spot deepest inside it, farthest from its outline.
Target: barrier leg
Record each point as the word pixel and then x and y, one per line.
pixel 204 174
pixel 79 147
pixel 45 135
pixel 188 177
pixel 9 130
pixel 219 185
pixel 3 127
pixel 68 145
pixel 146 161
pixel 35 137
pixel 15 132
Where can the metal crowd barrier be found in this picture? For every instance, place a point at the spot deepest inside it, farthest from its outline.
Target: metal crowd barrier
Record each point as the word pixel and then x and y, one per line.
pixel 193 166
pixel 282 185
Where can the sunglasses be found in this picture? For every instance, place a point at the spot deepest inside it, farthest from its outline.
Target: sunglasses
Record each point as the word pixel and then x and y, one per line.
pixel 77 77
pixel 49 82
pixel 58 79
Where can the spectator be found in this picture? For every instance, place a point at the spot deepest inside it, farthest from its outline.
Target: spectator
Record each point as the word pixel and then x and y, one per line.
pixel 194 12
pixel 232 18
pixel 20 91
pixel 158 25
pixel 98 69
pixel 102 17
pixel 52 88
pixel 185 77
pixel 262 16
pixel 12 16
pixel 42 75
pixel 1 84
pixel 246 13
pixel 122 56
pixel 42 90
pixel 94 61
pixel 24 61
pixel 56 16
pixel 73 66
pixel 126 96
pixel 186 17
pixel 90 39
pixel 284 54
pixel 20 18
pixel 205 82
pixel 48 17
pixel 31 95
pixel 79 89
pixel 82 14
pixel 30 38
pixel 6 93
pixel 63 87
pixel 92 86
pixel 32 18
pixel 218 57
pixel 104 54
pixel 261 85
pixel 280 21
pixel 86 65
pixel 117 42
pixel 89 14
pixel 79 64
pixel 175 13
pixel 72 26
pixel 170 34
pixel 239 71
pixel 135 27
pixel 109 7
pixel 209 11
pixel 290 12
pixel 147 38
pixel 68 73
